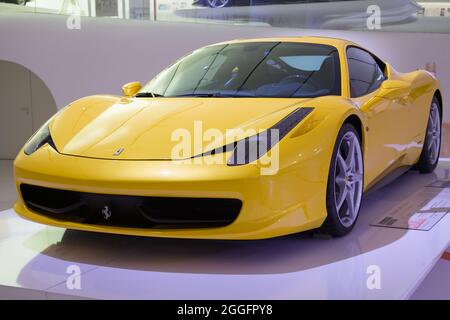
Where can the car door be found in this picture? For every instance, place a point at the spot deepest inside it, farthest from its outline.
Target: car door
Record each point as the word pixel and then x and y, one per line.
pixel 387 132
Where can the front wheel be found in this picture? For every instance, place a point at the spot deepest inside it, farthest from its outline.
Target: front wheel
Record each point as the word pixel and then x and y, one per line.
pixel 432 145
pixel 345 183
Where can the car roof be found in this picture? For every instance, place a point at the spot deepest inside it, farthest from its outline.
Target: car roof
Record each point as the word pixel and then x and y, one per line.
pixel 336 42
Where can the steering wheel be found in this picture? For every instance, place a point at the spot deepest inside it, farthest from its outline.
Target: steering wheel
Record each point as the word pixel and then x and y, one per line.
pixel 301 79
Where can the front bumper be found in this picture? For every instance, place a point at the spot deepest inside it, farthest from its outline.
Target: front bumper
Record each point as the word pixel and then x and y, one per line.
pixel 273 205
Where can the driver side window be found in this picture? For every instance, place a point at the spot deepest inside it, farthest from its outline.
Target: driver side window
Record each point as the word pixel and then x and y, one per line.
pixel 365 72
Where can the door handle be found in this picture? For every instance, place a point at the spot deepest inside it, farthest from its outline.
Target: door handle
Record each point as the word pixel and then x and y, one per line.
pixel 26 110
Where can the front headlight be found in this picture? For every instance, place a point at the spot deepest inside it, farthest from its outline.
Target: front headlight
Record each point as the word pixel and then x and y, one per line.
pixel 254 147
pixel 40 138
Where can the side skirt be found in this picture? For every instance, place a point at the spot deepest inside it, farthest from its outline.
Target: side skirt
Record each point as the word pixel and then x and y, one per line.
pixel 387 179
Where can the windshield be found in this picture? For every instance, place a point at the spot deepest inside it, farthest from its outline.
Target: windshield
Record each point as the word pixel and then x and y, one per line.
pixel 254 69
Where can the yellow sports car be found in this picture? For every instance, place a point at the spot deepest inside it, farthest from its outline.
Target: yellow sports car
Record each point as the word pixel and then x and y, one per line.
pixel 244 139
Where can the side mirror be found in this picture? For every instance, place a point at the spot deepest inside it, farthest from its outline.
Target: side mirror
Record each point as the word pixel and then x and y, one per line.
pixel 394 89
pixel 131 88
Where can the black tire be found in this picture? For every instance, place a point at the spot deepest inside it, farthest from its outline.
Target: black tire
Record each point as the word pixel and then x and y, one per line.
pixel 333 225
pixel 426 163
pixel 19 2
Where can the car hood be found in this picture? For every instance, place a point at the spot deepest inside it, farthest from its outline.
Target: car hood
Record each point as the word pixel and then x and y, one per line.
pixel 110 127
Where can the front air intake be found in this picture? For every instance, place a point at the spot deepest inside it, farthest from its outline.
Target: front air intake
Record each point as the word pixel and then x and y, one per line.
pixel 130 211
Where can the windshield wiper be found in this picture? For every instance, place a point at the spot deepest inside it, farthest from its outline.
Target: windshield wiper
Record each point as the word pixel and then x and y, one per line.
pixel 148 95
pixel 206 95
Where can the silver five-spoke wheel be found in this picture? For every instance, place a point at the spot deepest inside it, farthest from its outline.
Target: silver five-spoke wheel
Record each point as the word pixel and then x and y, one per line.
pixel 218 3
pixel 348 180
pixel 434 133
pixel 432 143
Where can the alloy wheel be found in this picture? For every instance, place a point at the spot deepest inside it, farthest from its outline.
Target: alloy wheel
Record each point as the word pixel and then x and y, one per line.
pixel 218 3
pixel 434 133
pixel 348 180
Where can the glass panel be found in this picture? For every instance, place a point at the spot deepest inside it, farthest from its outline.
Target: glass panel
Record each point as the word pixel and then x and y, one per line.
pixel 365 73
pixel 394 15
pixel 125 9
pixel 262 69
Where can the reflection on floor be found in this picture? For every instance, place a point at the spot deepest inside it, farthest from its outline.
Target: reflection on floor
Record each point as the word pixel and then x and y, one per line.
pixel 42 259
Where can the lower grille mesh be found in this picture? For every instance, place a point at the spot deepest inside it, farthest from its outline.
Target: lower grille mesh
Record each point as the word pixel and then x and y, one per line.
pixel 130 211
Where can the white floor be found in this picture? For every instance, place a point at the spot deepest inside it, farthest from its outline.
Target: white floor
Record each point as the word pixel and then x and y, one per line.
pixel 37 261
pixel 437 284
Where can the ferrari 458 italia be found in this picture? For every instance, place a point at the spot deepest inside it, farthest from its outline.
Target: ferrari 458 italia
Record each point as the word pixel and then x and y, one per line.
pixel 245 139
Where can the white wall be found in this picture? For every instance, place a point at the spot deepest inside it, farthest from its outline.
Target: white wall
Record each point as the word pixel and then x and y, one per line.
pixel 106 53
pixel 25 104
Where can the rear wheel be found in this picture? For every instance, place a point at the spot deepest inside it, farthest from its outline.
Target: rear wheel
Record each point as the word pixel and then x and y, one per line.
pixel 432 145
pixel 345 183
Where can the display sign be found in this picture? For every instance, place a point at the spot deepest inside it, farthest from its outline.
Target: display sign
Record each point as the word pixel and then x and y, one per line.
pixel 422 211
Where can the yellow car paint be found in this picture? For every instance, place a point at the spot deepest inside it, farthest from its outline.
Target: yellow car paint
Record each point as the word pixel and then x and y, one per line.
pixel 87 132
